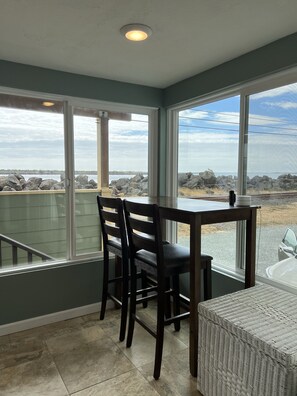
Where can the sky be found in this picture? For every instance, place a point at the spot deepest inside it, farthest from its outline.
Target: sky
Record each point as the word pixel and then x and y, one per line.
pixel 35 140
pixel 209 134
pixel 208 137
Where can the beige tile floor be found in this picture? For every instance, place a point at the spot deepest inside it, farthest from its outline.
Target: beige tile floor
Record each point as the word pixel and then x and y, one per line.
pixel 83 357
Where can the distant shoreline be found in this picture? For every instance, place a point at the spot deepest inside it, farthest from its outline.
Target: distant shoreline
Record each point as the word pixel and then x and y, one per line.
pixel 58 172
pixel 116 172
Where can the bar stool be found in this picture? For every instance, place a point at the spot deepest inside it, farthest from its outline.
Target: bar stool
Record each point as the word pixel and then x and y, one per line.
pixel 163 261
pixel 114 237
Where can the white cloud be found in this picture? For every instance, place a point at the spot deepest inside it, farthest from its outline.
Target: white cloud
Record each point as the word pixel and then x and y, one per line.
pixel 202 137
pixel 287 89
pixel 221 118
pixel 283 105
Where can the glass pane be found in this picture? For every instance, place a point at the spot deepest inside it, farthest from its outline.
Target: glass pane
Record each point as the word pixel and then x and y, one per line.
pixel 111 158
pixel 272 178
pixel 128 155
pixel 86 126
pixel 32 195
pixel 207 169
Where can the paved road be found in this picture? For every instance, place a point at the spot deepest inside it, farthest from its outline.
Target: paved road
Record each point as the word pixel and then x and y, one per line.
pixel 221 245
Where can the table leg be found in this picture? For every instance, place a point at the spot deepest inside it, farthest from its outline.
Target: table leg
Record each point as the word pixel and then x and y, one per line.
pixel 195 273
pixel 250 258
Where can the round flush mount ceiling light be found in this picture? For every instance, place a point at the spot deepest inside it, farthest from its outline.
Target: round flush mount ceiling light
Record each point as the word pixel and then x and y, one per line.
pixel 48 104
pixel 136 32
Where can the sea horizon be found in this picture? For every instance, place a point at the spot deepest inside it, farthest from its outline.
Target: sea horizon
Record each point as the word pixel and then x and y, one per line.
pixel 115 175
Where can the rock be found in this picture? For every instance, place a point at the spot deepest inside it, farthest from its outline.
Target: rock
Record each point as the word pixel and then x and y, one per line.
pixel 137 178
pixel 2 182
pixel 7 188
pixel 13 182
pixel 88 186
pixel 144 187
pixel 122 184
pixel 47 184
pixel 32 183
pixel 287 182
pixel 19 176
pixel 58 186
pixel 194 182
pixel 183 178
pixel 208 178
pixel 226 183
pixel 82 180
pixel 93 183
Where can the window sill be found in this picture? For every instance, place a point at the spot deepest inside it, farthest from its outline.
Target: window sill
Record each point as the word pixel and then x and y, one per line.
pixel 48 266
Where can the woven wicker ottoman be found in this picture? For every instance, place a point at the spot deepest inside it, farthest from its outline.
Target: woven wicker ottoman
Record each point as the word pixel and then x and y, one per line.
pixel 248 344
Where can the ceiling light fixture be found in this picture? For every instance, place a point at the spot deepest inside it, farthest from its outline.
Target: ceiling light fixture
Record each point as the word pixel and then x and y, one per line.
pixel 48 104
pixel 136 32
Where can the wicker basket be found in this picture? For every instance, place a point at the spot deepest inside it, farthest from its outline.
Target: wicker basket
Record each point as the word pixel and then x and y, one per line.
pixel 248 344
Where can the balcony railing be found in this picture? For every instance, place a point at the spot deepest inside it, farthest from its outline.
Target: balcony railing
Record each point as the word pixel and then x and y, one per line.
pixel 17 246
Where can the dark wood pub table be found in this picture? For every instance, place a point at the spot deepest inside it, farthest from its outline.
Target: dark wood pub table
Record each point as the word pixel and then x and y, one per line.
pixel 197 212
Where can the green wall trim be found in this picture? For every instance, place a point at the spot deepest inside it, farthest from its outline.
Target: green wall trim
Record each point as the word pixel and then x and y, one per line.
pixel 32 78
pixel 276 56
pixel 38 293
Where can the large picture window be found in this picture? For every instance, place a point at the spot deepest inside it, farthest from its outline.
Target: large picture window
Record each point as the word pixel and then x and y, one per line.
pixel 55 157
pixel 246 142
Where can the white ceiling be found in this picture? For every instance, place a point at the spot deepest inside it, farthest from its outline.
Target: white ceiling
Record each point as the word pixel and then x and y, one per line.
pixel 189 36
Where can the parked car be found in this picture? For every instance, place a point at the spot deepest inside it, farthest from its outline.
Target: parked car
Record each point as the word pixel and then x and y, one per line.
pixel 284 271
pixel 288 246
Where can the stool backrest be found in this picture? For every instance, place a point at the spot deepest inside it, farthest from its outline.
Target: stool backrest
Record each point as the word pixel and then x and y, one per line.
pixel 144 228
pixel 112 222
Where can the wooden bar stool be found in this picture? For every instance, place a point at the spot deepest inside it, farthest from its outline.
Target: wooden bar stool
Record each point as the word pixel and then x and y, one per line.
pixel 115 241
pixel 164 261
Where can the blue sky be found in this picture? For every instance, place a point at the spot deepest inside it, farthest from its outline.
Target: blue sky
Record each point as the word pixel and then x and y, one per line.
pixel 208 137
pixel 209 134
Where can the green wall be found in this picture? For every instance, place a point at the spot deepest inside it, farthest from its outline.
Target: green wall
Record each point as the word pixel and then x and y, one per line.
pixel 42 292
pixel 16 75
pixel 279 55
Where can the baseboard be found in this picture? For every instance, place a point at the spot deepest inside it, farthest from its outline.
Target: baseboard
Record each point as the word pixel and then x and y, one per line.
pixel 51 318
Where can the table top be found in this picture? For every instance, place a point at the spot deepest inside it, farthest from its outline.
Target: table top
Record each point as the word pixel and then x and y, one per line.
pixel 181 209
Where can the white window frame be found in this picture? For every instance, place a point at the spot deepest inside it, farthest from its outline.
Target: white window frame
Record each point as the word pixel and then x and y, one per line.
pixel 243 90
pixel 69 104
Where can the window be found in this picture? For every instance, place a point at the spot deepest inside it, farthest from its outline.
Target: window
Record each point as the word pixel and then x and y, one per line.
pixel 55 157
pixel 111 156
pixel 208 137
pixel 271 178
pixel 246 142
pixel 32 192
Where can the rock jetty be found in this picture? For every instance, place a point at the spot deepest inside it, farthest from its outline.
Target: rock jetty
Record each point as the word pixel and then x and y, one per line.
pixel 207 180
pixel 17 182
pixel 134 186
pixel 138 184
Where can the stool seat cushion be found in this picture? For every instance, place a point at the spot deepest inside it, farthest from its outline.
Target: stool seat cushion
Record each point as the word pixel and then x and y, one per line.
pixel 174 256
pixel 248 343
